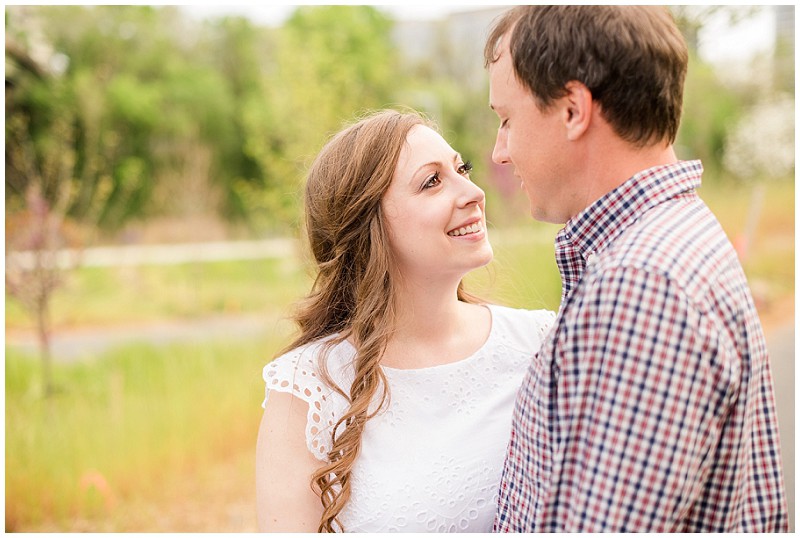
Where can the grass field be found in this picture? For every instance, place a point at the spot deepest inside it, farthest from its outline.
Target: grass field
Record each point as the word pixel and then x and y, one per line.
pixel 122 427
pixel 130 428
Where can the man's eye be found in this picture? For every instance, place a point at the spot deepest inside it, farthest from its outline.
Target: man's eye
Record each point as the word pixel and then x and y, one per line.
pixel 465 168
pixel 431 181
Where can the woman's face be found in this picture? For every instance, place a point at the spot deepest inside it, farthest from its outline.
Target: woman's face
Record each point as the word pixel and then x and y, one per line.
pixel 434 212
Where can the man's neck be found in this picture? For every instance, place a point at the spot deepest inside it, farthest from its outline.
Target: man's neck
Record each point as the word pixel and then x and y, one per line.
pixel 610 162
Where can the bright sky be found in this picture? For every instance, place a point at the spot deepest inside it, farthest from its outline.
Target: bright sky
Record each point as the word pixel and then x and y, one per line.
pixel 275 14
pixel 719 42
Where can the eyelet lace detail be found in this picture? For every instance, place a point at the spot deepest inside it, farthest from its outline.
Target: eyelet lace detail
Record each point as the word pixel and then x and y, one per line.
pixel 296 373
pixel 431 460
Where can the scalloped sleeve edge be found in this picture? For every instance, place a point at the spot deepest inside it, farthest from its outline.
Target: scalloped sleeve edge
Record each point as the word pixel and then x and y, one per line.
pixel 302 381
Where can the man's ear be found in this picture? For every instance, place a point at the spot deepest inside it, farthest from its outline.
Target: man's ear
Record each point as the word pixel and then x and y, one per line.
pixel 578 111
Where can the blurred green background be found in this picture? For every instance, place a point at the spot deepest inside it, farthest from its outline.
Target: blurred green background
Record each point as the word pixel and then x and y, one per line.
pixel 154 164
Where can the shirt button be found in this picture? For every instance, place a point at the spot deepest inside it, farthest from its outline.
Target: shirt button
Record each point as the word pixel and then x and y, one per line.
pixel 568 236
pixel 591 258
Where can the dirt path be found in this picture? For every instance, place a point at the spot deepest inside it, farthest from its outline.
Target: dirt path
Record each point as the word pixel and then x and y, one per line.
pixel 87 343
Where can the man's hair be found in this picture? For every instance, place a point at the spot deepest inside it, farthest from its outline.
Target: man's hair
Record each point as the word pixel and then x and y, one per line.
pixel 633 59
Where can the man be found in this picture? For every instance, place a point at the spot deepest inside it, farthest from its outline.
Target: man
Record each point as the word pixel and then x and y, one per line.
pixel 650 407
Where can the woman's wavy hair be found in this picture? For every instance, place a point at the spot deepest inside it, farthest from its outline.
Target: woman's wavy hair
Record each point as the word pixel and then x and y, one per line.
pixel 353 294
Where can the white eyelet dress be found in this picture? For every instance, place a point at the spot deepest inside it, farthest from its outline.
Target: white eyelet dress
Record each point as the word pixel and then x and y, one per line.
pixel 432 460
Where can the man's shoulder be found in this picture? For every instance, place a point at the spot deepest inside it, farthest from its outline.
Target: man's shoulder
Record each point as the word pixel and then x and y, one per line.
pixel 671 238
pixel 682 242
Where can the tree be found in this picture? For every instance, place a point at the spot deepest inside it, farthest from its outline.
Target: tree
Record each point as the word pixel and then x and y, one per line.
pixel 35 234
pixel 692 18
pixel 145 110
pixel 709 110
pixel 240 52
pixel 761 145
pixel 327 64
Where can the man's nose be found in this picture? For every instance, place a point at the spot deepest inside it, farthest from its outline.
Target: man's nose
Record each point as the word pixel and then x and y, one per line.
pixel 500 152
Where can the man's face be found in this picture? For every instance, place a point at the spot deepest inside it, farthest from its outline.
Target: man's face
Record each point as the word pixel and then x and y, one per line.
pixel 531 140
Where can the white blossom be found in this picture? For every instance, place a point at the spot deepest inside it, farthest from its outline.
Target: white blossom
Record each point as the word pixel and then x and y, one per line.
pixel 761 144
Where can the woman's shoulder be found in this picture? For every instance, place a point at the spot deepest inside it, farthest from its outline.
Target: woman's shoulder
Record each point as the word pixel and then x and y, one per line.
pixel 298 372
pixel 300 368
pixel 523 316
pixel 305 355
pixel 522 326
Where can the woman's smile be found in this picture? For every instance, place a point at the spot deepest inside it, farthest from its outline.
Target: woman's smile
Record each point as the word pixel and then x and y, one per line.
pixel 471 229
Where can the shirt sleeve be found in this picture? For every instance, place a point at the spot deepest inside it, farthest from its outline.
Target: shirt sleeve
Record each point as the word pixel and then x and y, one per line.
pixel 296 373
pixel 644 382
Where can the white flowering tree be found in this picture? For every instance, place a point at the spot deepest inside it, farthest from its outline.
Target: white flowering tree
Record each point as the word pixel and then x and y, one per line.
pixel 760 147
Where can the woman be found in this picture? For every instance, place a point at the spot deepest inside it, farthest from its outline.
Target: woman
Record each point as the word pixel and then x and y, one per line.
pixel 391 410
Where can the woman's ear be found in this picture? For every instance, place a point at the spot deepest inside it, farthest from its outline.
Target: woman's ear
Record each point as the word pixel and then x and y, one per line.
pixel 579 108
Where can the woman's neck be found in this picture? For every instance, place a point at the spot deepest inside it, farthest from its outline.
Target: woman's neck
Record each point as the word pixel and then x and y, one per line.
pixel 433 327
pixel 425 311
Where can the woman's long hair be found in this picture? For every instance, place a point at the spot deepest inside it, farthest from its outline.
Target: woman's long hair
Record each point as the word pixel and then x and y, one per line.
pixel 353 293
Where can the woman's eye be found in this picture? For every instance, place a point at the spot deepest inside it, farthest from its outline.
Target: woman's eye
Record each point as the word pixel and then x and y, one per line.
pixel 432 181
pixel 465 168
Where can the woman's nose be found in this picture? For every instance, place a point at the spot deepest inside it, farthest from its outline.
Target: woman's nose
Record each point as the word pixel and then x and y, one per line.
pixel 470 194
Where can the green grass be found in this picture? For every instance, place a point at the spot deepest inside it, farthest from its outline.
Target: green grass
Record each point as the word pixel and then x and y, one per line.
pixel 523 273
pixel 134 419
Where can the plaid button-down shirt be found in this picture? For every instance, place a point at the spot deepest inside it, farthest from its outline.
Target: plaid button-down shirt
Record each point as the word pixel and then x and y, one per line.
pixel 650 406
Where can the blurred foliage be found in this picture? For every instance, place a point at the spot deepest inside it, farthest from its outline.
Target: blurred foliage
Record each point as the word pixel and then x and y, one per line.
pixel 761 144
pixel 329 64
pixel 161 103
pixel 709 111
pixel 174 117
pixel 691 18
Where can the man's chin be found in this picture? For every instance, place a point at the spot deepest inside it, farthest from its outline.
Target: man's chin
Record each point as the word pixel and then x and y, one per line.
pixel 542 215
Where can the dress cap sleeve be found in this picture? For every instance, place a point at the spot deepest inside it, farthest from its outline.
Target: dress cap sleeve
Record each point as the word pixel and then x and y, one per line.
pixel 297 373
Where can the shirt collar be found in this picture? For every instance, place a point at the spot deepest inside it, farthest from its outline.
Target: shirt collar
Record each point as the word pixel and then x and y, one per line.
pixel 606 218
